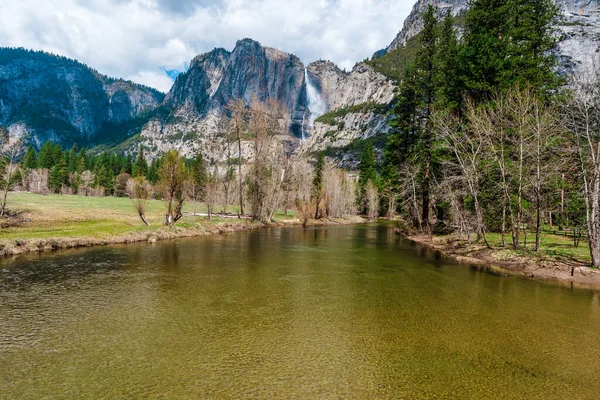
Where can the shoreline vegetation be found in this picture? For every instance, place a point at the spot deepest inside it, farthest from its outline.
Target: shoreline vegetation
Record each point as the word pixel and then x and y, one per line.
pixel 55 222
pixel 570 267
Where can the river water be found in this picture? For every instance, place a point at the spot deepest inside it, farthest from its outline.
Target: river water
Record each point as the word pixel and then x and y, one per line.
pixel 337 312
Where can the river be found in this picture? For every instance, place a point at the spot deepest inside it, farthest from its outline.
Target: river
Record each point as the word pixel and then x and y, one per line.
pixel 335 312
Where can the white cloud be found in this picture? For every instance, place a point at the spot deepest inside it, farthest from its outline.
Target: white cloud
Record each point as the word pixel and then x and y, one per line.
pixel 156 79
pixel 139 38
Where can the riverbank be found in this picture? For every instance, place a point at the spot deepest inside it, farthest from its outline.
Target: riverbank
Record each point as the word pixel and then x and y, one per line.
pixel 565 267
pixel 55 222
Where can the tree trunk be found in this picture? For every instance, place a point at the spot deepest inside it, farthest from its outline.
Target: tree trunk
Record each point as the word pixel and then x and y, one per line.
pixel 426 183
pixel 143 217
pixel 6 188
pixel 595 253
pixel 519 194
pixel 538 199
pixel 593 217
pixel 226 199
pixel 481 228
pixel 391 207
pixel 562 201
pixel 318 202
pixel 504 224
pixel 241 184
pixel 4 200
pixel 538 224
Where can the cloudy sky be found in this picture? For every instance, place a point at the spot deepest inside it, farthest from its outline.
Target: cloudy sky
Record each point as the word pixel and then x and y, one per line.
pixel 150 41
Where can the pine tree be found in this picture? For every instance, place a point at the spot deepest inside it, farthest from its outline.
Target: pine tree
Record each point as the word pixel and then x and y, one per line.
pixel 73 158
pixel 427 72
pixel 140 167
pixel 82 161
pixel 67 156
pixel 508 43
pixel 367 173
pixel 110 182
pixel 485 46
pixel 530 59
pixel 200 175
pixel 30 161
pixel 448 79
pixel 81 166
pixel 112 164
pixel 406 131
pixel 405 127
pixel 317 184
pixel 129 165
pixel 153 171
pixel 46 156
pixel 57 153
pixel 59 175
pixel 103 178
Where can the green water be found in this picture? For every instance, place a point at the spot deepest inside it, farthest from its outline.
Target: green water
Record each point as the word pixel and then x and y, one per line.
pixel 340 312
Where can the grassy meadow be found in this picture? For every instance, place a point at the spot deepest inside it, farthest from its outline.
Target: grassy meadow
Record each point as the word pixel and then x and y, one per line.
pixel 61 216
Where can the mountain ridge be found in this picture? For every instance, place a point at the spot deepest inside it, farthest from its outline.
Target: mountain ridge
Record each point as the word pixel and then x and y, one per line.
pixel 187 118
pixel 49 97
pixel 199 96
pixel 578 29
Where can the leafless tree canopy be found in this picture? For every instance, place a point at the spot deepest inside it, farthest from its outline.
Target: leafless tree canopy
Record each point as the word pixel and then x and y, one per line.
pixel 11 150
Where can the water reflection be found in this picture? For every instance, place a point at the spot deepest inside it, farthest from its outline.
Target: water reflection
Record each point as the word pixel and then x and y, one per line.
pixel 352 312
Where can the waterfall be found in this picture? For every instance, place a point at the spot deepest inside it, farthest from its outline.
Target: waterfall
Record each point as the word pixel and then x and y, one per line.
pixel 315 104
pixel 304 122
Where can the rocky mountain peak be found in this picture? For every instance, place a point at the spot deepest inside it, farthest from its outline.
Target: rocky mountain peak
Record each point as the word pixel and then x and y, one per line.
pixel 217 53
pixel 345 89
pixel 413 24
pixel 579 28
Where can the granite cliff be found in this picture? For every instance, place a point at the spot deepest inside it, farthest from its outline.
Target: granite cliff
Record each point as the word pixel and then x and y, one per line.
pixel 47 97
pixel 189 117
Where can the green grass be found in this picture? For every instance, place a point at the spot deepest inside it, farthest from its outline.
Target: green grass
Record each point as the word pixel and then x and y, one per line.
pixel 56 216
pixel 394 63
pixel 333 117
pixel 552 246
pixel 355 148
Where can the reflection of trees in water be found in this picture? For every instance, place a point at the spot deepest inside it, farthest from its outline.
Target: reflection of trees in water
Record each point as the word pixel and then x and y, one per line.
pixel 169 255
pixel 51 269
pixel 320 234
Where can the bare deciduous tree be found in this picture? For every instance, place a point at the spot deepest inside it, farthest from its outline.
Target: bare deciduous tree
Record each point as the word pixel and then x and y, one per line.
pixel 519 107
pixel 409 189
pixel 211 192
pixel 467 146
pixel 141 191
pixel 238 125
pixel 267 169
pixel 547 136
pixel 582 118
pixel 372 200
pixel 11 150
pixel 340 192
pixel 87 179
pixel 38 181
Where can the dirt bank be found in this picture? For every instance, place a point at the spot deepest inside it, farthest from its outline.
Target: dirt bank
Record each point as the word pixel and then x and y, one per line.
pixel 569 272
